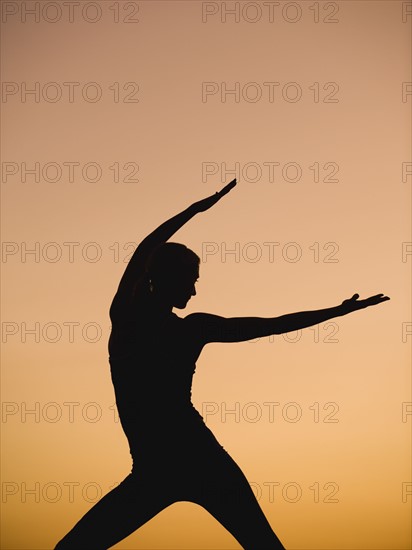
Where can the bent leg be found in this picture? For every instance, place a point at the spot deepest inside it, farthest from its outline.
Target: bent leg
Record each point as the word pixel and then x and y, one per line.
pixel 119 513
pixel 227 495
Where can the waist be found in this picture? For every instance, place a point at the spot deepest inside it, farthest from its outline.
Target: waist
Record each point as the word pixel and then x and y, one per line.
pixel 166 412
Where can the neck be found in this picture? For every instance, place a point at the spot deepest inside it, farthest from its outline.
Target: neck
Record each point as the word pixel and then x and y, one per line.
pixel 159 305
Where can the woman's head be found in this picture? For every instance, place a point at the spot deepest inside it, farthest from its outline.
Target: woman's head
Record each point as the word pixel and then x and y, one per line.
pixel 173 270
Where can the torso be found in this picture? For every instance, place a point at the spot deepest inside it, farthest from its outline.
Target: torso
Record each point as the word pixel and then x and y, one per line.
pixel 153 360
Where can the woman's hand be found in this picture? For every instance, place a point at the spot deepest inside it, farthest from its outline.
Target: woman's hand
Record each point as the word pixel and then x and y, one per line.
pixel 208 202
pixel 354 304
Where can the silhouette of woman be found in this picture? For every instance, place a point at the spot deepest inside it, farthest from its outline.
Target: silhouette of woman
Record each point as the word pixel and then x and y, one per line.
pixel 152 359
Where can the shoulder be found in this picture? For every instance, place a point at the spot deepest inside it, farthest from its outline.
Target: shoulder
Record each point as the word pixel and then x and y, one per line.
pixel 206 325
pixel 200 318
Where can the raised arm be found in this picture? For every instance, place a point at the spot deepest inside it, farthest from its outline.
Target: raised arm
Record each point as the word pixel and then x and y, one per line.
pixel 136 267
pixel 213 328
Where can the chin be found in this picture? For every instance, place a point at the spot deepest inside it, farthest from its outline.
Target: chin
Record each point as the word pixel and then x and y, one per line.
pixel 181 305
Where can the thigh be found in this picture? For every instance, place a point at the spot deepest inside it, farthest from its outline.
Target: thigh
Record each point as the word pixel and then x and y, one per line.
pixel 120 512
pixel 226 494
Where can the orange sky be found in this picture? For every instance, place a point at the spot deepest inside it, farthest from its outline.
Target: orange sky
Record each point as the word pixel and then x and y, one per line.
pixel 118 115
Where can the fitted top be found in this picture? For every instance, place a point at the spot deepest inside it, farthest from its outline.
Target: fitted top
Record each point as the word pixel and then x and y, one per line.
pixel 152 361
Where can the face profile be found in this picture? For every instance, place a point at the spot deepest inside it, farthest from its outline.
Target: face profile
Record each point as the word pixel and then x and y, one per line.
pixel 183 295
pixel 178 294
pixel 173 271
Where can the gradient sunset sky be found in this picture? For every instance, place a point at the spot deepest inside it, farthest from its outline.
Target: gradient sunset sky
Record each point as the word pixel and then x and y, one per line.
pixel 118 115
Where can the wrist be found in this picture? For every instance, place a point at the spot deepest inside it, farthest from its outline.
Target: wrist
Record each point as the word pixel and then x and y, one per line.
pixel 192 209
pixel 341 310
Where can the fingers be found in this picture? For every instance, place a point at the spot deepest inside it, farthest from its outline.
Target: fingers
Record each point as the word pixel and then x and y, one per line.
pixel 376 300
pixel 371 301
pixel 380 297
pixel 227 187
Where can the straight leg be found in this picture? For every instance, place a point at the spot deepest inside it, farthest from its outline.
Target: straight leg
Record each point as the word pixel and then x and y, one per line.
pixel 123 510
pixel 226 494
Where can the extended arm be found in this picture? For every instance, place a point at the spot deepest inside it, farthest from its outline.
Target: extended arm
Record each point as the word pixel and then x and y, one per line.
pixel 213 328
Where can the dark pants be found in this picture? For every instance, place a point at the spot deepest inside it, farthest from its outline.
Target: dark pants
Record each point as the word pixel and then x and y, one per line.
pixel 203 473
